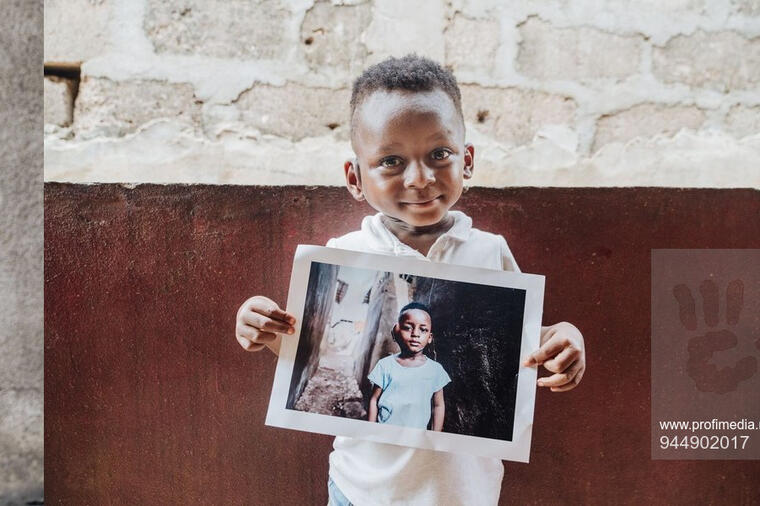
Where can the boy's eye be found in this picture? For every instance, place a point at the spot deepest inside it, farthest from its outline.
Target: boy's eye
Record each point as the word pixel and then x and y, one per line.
pixel 440 154
pixel 391 161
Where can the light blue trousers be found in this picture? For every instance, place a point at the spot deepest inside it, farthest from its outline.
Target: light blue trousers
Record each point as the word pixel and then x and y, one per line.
pixel 335 496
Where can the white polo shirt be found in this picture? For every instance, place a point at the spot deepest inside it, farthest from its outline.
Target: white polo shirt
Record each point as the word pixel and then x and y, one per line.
pixel 371 473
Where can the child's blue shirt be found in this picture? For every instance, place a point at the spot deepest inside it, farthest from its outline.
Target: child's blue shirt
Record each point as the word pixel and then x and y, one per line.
pixel 407 391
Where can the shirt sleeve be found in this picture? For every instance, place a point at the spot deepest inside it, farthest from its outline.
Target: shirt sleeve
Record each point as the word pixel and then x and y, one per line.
pixel 377 375
pixel 508 262
pixel 442 379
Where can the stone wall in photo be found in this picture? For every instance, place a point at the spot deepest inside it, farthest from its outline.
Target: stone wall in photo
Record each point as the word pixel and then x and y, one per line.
pixel 320 298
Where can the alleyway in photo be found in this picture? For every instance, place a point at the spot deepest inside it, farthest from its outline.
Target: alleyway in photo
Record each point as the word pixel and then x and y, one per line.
pixel 333 389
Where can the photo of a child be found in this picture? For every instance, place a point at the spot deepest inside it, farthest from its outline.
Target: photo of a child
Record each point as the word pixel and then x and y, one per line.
pixel 405 382
pixel 410 353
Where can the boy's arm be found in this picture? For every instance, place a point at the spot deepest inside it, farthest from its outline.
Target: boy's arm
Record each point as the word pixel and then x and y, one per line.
pixel 562 352
pixel 439 410
pixel 376 391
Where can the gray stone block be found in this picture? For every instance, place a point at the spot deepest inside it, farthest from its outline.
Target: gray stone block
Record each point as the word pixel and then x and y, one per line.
pixel 295 111
pixel 646 120
pixel 116 108
pixel 722 61
pixel 59 101
pixel 548 52
pixel 219 28
pixel 331 35
pixel 76 30
pixel 514 115
pixel 472 44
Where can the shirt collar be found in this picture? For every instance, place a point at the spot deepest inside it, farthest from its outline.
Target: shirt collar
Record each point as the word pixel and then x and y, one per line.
pixel 382 239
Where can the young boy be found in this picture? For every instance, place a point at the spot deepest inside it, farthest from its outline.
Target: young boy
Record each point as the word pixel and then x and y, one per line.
pixel 407 131
pixel 405 384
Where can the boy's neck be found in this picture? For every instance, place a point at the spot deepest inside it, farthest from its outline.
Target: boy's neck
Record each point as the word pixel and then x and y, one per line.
pixel 419 238
pixel 412 358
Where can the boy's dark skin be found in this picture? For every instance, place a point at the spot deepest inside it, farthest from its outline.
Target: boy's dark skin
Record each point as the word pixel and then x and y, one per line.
pixel 413 332
pixel 411 164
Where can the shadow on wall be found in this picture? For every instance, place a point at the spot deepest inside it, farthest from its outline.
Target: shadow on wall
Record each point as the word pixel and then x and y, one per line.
pixel 477 331
pixel 323 279
pixel 32 496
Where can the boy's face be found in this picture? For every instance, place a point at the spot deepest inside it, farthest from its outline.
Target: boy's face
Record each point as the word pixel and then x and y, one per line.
pixel 414 330
pixel 411 155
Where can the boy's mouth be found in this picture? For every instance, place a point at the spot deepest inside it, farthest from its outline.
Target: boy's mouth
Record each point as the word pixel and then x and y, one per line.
pixel 421 203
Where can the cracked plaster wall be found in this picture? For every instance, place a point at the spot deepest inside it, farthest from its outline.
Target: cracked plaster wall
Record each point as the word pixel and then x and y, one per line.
pixel 555 93
pixel 21 342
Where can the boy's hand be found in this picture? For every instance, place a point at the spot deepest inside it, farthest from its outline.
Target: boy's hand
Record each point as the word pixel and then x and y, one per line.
pixel 258 322
pixel 562 352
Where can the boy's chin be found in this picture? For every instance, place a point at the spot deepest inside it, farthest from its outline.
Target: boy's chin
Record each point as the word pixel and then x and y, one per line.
pixel 423 220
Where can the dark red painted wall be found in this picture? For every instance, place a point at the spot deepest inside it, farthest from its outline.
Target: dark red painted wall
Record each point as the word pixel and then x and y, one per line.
pixel 150 400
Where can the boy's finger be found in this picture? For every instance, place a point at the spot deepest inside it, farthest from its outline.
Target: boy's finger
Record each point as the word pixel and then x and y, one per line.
pixel 572 384
pixel 547 350
pixel 268 307
pixel 563 360
pixel 266 324
pixel 246 332
pixel 270 325
pixel 254 335
pixel 248 345
pixel 564 388
pixel 251 319
pixel 278 314
pixel 265 337
pixel 561 378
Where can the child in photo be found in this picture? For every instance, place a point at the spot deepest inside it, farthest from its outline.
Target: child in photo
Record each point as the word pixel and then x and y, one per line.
pixel 411 163
pixel 405 383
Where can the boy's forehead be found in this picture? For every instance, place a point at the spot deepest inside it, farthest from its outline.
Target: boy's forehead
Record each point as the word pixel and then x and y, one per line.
pixel 392 101
pixel 418 313
pixel 383 108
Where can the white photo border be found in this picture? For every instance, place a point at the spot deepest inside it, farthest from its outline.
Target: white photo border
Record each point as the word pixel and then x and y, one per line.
pixel 516 450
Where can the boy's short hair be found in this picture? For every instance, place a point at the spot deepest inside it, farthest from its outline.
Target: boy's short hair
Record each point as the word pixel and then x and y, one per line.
pixel 411 73
pixel 414 305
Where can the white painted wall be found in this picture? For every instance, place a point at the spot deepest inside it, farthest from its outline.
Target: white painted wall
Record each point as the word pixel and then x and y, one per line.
pixel 580 93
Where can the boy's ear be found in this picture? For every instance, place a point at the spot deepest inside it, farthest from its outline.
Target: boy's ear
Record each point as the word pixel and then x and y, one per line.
pixel 353 179
pixel 469 160
pixel 394 331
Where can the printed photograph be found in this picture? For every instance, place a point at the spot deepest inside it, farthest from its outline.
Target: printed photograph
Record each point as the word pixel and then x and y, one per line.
pixel 396 348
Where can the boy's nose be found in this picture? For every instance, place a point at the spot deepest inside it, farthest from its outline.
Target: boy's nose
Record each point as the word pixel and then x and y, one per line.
pixel 418 175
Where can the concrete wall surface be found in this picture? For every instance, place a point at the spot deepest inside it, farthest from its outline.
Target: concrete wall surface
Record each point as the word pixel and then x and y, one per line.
pixel 555 93
pixel 150 399
pixel 21 355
